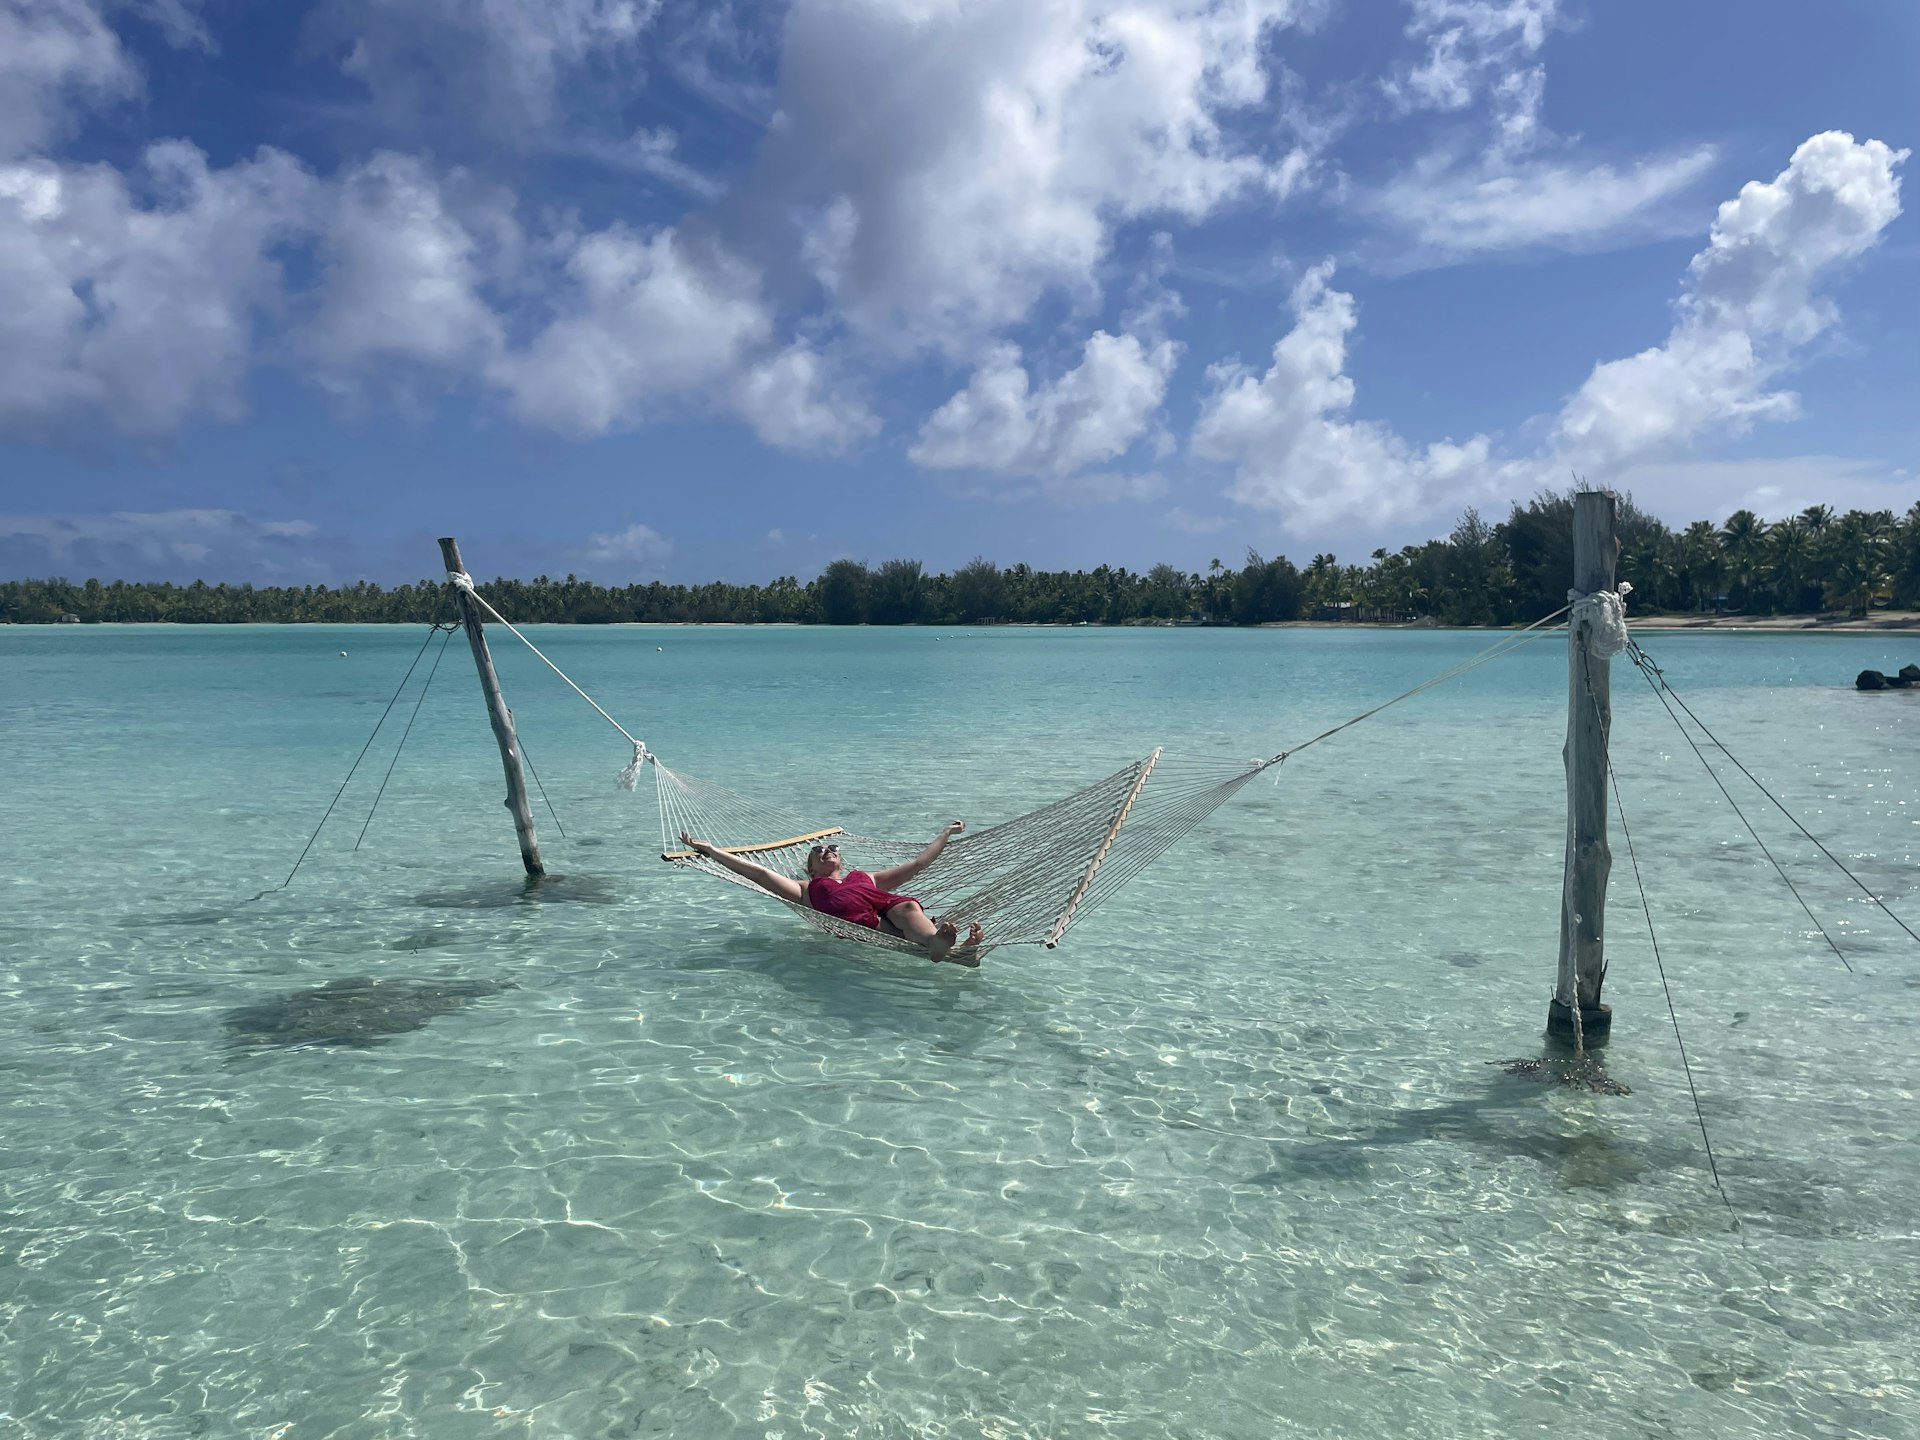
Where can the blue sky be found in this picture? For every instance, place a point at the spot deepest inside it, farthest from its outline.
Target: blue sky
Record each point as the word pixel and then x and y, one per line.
pixel 651 289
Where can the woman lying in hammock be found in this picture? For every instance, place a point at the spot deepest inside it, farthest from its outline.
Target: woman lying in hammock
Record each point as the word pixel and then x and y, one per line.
pixel 862 898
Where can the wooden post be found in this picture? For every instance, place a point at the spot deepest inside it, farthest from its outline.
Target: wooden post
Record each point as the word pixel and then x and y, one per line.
pixel 1583 896
pixel 497 713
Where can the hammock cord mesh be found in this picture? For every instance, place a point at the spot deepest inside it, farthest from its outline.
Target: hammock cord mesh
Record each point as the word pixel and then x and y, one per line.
pixel 1024 881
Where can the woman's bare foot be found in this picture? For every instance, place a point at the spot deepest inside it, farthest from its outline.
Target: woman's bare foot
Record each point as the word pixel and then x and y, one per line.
pixel 947 945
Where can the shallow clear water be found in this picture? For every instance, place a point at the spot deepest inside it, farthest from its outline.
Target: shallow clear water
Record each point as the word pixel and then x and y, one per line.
pixel 632 1155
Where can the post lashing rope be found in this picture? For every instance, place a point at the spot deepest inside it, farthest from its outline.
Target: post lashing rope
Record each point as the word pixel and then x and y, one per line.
pixel 628 776
pixel 542 788
pixel 420 700
pixel 1699 1112
pixel 1657 678
pixel 351 769
pixel 1752 833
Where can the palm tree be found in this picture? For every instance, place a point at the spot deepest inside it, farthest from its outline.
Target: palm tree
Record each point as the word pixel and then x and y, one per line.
pixel 1818 573
pixel 1743 541
pixel 1701 551
pixel 1858 551
pixel 1906 562
pixel 1216 606
pixel 1322 580
pixel 1791 550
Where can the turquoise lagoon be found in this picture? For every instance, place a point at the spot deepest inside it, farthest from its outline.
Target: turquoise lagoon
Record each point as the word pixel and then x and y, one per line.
pixel 408 1150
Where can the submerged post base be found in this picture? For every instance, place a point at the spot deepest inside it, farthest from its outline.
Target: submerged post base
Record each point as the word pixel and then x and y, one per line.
pixel 1596 1021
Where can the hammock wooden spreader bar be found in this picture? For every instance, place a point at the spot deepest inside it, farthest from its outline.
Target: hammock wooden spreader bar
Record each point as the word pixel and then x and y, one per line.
pixel 1100 855
pixel 760 849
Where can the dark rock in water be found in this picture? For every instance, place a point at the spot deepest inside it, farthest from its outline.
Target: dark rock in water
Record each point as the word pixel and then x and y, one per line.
pixel 357 1013
pixel 1908 678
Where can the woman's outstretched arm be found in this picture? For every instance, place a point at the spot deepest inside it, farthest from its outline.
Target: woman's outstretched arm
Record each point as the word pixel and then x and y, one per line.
pixel 901 874
pixel 785 886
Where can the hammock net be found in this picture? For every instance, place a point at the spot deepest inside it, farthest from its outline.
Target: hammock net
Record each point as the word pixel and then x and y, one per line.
pixel 1025 881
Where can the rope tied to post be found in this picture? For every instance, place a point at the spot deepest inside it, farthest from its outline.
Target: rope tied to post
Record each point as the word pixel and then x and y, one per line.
pixel 1604 614
pixel 627 777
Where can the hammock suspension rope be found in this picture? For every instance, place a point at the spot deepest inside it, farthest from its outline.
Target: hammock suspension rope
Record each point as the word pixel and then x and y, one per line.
pixel 1025 881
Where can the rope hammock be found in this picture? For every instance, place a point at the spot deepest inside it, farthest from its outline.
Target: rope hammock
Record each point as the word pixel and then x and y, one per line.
pixel 1025 881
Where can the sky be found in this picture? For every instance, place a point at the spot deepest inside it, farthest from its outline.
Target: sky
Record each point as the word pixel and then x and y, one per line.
pixel 695 290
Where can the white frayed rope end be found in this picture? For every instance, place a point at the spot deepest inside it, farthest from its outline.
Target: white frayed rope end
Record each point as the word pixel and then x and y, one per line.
pixel 630 776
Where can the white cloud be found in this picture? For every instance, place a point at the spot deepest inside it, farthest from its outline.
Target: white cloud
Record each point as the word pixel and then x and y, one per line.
pixel 1749 304
pixel 55 55
pixel 158 545
pixel 1682 491
pixel 139 306
pixel 722 51
pixel 1457 209
pixel 507 66
pixel 949 163
pixel 1523 186
pixel 401 275
pixel 1090 415
pixel 1293 450
pixel 644 319
pixel 1185 521
pixel 142 314
pixel 636 550
pixel 792 404
pixel 178 20
pixel 1095 487
pixel 652 152
pixel 1474 47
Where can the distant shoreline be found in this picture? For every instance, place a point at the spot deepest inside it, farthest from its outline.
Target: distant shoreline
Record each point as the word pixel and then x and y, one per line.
pixel 1882 622
pixel 1885 620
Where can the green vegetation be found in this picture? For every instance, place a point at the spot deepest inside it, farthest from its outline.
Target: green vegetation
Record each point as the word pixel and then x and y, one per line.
pixel 1512 572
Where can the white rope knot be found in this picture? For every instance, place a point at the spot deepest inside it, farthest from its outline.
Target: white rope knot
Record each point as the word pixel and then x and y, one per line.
pixel 630 776
pixel 460 580
pixel 1604 613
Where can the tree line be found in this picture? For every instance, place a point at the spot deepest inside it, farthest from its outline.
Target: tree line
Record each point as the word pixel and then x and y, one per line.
pixel 1483 573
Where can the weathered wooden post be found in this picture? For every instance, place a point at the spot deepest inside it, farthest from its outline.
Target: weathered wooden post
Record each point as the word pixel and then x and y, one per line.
pixel 1583 896
pixel 497 713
